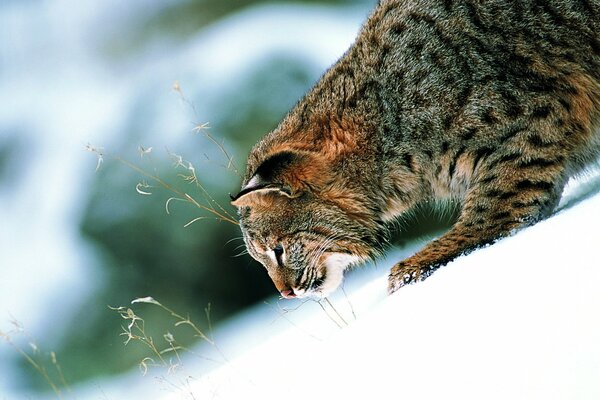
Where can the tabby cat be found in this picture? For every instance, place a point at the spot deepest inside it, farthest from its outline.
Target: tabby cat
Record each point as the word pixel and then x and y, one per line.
pixel 491 103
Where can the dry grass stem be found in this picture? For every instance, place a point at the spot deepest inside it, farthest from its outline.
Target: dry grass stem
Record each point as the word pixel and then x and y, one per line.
pixel 169 357
pixel 98 151
pixel 34 361
pixel 203 128
pixel 336 317
pixel 211 206
pixel 231 165
pixel 349 302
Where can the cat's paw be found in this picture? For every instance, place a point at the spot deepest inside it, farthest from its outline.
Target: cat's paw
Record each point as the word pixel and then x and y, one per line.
pixel 403 274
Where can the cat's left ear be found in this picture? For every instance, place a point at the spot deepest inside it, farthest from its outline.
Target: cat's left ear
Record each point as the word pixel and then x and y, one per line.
pixel 284 174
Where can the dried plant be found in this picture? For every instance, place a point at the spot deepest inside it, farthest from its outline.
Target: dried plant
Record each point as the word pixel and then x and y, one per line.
pixel 37 359
pixel 188 175
pixel 166 352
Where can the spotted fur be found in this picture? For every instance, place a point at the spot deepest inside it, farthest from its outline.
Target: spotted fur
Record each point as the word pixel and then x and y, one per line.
pixel 493 104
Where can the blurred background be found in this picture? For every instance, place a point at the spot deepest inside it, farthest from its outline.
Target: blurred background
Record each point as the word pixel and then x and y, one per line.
pixel 131 80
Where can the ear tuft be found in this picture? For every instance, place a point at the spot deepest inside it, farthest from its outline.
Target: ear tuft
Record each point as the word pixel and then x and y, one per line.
pixel 272 169
pixel 286 173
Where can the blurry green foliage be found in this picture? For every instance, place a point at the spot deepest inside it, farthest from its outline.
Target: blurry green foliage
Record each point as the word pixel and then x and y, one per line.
pixel 187 16
pixel 273 87
pixel 11 148
pixel 180 20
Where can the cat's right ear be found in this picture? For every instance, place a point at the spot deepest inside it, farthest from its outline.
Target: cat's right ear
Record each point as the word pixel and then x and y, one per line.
pixel 284 174
pixel 257 191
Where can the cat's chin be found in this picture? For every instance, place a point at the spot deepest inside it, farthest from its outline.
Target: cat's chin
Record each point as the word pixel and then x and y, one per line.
pixel 335 264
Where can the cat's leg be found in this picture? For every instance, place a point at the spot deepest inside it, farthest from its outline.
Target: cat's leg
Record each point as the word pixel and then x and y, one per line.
pixel 511 190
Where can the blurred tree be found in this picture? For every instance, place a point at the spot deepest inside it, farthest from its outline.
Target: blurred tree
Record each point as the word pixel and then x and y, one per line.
pixel 181 19
pixel 274 87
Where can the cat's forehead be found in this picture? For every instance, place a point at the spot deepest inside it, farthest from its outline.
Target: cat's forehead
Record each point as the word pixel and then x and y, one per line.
pixel 265 227
pixel 263 231
pixel 277 217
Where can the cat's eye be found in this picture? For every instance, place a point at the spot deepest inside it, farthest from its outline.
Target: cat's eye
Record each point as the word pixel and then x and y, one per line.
pixel 278 250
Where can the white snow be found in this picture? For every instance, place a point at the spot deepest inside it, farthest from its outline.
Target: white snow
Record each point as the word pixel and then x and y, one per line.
pixel 516 320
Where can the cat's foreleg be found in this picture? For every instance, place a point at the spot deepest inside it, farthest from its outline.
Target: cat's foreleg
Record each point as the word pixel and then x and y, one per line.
pixel 459 240
pixel 499 202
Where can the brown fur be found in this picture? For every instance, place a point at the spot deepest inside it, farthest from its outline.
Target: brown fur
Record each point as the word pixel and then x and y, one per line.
pixel 490 104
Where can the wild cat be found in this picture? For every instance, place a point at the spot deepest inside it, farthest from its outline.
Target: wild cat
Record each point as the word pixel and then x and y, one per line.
pixel 493 104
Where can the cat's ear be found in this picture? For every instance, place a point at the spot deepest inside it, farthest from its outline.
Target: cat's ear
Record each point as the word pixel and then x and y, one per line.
pixel 258 192
pixel 285 174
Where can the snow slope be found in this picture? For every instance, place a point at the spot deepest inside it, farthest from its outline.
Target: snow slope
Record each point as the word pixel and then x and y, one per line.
pixel 516 320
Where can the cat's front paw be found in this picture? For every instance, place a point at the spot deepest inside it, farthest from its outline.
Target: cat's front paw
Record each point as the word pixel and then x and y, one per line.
pixel 403 274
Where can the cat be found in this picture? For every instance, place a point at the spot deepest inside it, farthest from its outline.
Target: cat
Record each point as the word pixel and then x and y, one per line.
pixel 492 104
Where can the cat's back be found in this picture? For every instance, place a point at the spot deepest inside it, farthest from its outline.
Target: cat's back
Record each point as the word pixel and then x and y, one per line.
pixel 430 76
pixel 491 103
pixel 448 80
pixel 438 43
pixel 460 67
pixel 550 28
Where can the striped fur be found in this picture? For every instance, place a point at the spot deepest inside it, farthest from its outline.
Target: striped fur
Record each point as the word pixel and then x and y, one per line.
pixel 493 104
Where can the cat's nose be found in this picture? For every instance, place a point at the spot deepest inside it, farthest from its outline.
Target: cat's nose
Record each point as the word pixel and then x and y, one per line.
pixel 288 294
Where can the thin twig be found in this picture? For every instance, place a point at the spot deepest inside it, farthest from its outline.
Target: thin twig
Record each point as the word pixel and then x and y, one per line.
pixel 349 302
pixel 230 161
pixel 38 367
pixel 336 311
pixel 329 315
pixel 222 216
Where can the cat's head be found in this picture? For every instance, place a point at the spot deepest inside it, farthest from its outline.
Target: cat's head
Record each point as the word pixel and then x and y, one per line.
pixel 299 224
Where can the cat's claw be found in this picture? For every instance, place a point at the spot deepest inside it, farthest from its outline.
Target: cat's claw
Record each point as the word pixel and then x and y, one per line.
pixel 403 274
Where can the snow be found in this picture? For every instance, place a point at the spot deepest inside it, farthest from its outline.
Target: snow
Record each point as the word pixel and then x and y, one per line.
pixel 516 320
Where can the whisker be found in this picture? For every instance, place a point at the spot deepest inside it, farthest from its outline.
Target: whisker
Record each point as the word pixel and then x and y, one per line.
pixel 315 256
pixel 235 238
pixel 240 246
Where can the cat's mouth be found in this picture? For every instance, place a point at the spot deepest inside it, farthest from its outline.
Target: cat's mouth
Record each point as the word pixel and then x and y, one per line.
pixel 323 280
